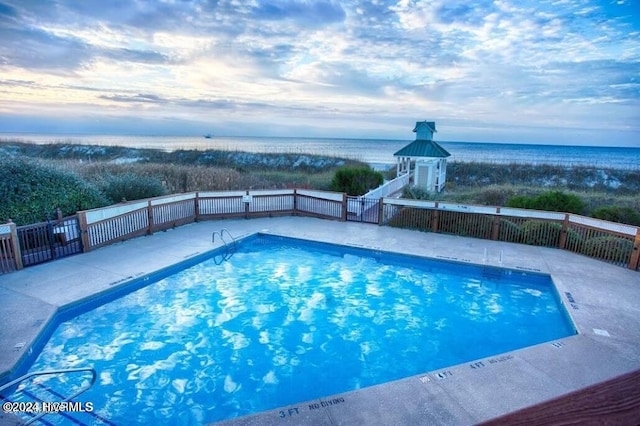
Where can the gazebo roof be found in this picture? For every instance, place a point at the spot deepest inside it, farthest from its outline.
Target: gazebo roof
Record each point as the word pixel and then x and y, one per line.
pixel 431 125
pixel 423 148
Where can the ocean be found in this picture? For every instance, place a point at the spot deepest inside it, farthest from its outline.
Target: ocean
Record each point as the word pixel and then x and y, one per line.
pixel 377 152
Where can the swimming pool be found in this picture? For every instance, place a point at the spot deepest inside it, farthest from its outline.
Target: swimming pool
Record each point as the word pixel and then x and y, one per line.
pixel 285 321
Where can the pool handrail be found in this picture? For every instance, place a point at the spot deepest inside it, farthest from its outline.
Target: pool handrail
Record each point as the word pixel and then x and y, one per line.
pixel 83 389
pixel 228 253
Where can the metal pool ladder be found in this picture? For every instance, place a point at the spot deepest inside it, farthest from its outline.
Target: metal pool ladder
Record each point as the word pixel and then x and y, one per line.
pixel 229 245
pixel 84 388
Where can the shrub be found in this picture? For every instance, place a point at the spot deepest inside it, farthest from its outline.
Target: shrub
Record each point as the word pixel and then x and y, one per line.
pixel 618 214
pixel 356 180
pixel 412 218
pixel 612 249
pixel 559 202
pixel 540 233
pixel 574 241
pixel 465 224
pixel 417 193
pixel 390 173
pixel 492 196
pixel 130 187
pixel 555 201
pixel 521 202
pixel 509 231
pixel 31 191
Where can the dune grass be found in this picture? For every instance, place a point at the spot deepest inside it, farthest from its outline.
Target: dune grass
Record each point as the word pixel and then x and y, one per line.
pixel 185 170
pixel 576 178
pixel 36 180
pixel 495 184
pixel 176 178
pixel 119 173
pixel 499 195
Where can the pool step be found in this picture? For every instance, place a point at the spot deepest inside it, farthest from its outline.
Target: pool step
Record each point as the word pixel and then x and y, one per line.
pixel 93 416
pixel 43 393
pixel 491 273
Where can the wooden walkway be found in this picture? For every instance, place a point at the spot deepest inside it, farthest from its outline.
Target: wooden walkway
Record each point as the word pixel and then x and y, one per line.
pixel 614 402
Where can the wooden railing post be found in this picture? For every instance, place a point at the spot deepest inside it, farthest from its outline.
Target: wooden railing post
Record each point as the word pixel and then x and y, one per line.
pixel 246 206
pixel 196 206
pixel 84 231
pixel 634 259
pixel 295 201
pixel 563 234
pixel 344 207
pixel 15 245
pixel 150 216
pixel 434 219
pixel 495 230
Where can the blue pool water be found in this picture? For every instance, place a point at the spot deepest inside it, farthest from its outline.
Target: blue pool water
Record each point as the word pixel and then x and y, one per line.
pixel 285 321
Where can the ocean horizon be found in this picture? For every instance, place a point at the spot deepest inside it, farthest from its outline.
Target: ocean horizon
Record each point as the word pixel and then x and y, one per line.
pixel 377 152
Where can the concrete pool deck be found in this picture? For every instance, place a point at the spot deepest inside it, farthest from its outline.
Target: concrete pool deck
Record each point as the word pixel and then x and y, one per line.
pixel 602 300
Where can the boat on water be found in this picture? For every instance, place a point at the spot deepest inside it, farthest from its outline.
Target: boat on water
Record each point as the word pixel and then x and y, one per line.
pixel 208 136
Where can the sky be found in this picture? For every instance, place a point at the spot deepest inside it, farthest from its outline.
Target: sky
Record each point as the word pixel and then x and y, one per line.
pixel 550 72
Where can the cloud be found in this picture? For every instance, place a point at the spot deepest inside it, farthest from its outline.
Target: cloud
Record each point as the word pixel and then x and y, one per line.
pixel 34 48
pixel 17 83
pixel 129 55
pixel 144 98
pixel 312 62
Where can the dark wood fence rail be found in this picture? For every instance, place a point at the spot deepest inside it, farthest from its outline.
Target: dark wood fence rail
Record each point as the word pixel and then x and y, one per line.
pixel 220 205
pixel 176 212
pixel 28 245
pixel 10 259
pixel 608 241
pixel 611 242
pixel 128 220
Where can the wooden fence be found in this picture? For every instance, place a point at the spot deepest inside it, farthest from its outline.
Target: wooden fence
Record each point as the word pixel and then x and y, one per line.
pixel 10 259
pixel 611 242
pixel 121 222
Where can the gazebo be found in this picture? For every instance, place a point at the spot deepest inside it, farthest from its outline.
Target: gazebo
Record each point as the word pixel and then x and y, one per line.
pixel 429 159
